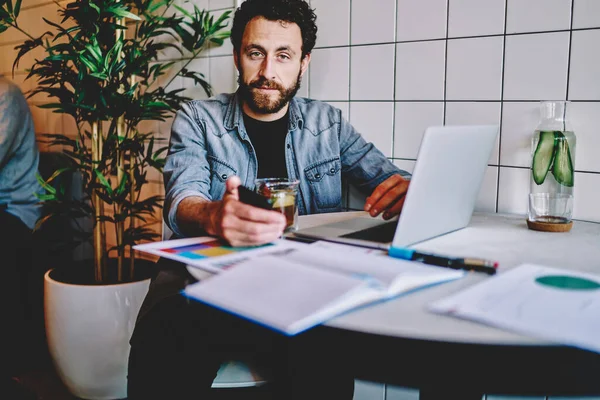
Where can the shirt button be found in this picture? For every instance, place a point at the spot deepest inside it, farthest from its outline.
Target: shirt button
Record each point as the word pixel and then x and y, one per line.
pixel 332 171
pixel 224 176
pixel 289 146
pixel 318 176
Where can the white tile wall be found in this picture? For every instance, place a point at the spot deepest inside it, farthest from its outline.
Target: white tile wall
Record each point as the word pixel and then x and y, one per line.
pixel 330 74
pixel 537 15
pixel 333 22
pixel 411 121
pixel 585 66
pixel 196 92
pixel 586 197
pixel 536 66
pixel 374 121
pixel 220 4
pixel 474 113
pixel 420 70
pixel 486 199
pixel 513 190
pixel 586 14
pixel 373 21
pixel 474 69
pixel 421 19
pixel 585 120
pixel 519 121
pixel 475 17
pixel 223 75
pixel 372 72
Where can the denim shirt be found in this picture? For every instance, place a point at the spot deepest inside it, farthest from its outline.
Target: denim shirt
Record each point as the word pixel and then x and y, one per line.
pixel 19 156
pixel 209 144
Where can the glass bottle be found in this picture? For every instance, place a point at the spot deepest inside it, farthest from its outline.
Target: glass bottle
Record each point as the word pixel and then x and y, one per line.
pixel 552 173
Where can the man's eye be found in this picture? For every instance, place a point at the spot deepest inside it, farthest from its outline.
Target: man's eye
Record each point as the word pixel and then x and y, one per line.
pixel 255 54
pixel 284 57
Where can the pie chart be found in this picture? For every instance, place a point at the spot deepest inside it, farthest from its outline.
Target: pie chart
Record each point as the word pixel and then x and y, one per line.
pixel 566 282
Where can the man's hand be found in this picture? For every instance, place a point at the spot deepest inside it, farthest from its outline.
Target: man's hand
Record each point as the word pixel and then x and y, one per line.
pixel 241 224
pixel 388 197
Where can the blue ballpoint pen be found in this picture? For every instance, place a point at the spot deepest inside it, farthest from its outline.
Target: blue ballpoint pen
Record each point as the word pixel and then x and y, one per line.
pixel 470 264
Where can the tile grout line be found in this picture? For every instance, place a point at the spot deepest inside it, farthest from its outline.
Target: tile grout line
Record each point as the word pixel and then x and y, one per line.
pixel 570 51
pixel 446 60
pixel 500 125
pixel 349 82
pixel 395 80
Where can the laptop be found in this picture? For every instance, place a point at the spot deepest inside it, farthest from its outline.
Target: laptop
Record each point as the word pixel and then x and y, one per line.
pixel 441 197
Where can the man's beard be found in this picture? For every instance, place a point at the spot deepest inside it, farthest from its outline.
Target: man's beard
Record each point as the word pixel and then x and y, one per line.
pixel 261 103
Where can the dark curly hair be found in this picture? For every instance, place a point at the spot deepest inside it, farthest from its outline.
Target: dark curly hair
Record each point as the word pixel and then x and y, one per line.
pixel 296 11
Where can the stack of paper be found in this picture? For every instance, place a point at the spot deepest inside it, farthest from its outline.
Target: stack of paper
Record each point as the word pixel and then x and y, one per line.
pixel 312 284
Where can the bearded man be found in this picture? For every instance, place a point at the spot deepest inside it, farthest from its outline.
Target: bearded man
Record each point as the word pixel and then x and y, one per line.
pixel 261 131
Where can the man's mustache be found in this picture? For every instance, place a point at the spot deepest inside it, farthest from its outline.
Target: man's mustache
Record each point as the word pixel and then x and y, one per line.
pixel 265 83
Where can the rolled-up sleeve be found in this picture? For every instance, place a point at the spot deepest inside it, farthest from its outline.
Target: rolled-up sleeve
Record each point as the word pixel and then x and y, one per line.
pixel 186 171
pixel 363 163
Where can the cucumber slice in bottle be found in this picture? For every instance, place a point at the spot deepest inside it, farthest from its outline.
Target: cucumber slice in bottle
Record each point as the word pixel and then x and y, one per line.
pixel 562 169
pixel 543 156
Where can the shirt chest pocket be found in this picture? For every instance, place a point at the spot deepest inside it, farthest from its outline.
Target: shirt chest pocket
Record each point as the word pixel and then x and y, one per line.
pixel 220 171
pixel 325 183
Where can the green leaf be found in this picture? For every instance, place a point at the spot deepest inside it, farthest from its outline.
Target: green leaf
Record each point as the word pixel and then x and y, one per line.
pixel 121 12
pixel 183 11
pixel 47 187
pixel 3 28
pixel 17 8
pixel 123 185
pixel 156 6
pixel 88 63
pixel 45 197
pixel 57 173
pixel 103 181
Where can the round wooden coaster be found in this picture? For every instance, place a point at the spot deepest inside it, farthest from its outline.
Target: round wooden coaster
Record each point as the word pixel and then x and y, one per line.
pixel 549 227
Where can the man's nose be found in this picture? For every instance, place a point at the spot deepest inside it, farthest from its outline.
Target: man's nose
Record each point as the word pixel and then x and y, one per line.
pixel 268 68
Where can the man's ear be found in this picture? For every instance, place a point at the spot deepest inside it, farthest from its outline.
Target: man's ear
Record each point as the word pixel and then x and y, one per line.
pixel 304 64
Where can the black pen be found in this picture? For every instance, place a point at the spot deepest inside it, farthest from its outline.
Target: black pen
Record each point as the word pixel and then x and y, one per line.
pixel 469 264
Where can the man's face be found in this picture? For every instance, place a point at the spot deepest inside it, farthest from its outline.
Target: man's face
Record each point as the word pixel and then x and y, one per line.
pixel 270 65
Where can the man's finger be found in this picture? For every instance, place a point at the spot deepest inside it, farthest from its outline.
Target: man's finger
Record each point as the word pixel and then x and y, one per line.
pixel 395 209
pixel 243 233
pixel 381 190
pixel 254 214
pixel 388 200
pixel 231 186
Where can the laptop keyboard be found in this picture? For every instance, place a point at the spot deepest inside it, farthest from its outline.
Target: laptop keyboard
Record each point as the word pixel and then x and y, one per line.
pixel 383 233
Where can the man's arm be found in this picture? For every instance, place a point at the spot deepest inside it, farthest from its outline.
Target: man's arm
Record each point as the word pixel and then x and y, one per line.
pixel 372 172
pixel 189 210
pixel 236 222
pixel 11 120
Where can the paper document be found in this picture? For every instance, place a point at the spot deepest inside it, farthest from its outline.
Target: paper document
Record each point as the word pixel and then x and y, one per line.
pixel 553 304
pixel 212 254
pixel 308 286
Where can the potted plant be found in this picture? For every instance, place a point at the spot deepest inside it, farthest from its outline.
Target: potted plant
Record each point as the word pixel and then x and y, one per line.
pixel 101 66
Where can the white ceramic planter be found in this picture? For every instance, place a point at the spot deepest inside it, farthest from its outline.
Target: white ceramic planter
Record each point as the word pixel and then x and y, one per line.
pixel 88 329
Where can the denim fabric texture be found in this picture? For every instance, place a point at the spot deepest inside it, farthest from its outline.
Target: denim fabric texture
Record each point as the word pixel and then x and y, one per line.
pixel 19 156
pixel 209 144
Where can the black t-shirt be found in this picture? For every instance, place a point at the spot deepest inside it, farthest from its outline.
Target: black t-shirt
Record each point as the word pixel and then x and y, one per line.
pixel 268 140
